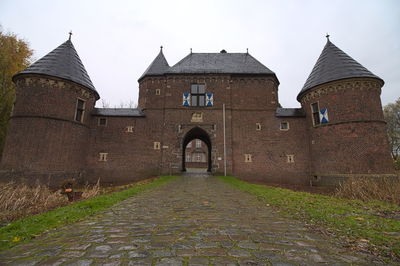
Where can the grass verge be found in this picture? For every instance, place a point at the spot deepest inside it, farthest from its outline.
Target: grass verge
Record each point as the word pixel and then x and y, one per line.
pixel 365 225
pixel 25 229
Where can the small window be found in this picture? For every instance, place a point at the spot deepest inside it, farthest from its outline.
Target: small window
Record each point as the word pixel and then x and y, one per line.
pixel 284 126
pixel 198 157
pixel 188 157
pixel 80 110
pixel 247 158
pixel 129 129
pixel 158 91
pixel 157 145
pixel 214 127
pixel 103 156
pixel 290 158
pixel 198 95
pixel 102 122
pixel 258 126
pixel 198 143
pixel 315 113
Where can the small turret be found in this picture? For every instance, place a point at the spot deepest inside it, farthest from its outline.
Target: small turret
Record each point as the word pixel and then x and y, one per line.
pixel 341 99
pixel 49 124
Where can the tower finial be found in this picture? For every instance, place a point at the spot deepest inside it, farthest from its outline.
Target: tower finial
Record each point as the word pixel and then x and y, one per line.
pixel 190 50
pixel 70 34
pixel 247 50
pixel 161 48
pixel 327 36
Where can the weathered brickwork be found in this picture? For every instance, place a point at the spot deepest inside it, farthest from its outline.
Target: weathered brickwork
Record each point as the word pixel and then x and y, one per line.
pixel 263 141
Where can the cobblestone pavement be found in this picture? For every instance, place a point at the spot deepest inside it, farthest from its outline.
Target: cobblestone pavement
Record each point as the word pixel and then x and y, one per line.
pixel 193 220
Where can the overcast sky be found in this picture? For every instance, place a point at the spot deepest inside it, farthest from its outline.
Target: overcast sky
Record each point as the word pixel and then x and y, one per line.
pixel 117 40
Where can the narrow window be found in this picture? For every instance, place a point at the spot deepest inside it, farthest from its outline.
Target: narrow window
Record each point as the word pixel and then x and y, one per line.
pixel 157 145
pixel 290 158
pixel 103 156
pixel 102 122
pixel 284 126
pixel 129 129
pixel 80 110
pixel 315 113
pixel 198 143
pixel 188 157
pixel 158 91
pixel 247 158
pixel 258 126
pixel 198 95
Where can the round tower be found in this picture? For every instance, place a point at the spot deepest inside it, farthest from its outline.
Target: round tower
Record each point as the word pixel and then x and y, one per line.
pixel 48 129
pixel 341 99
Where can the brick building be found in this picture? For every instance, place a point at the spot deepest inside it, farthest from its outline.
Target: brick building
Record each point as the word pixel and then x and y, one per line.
pixel 229 101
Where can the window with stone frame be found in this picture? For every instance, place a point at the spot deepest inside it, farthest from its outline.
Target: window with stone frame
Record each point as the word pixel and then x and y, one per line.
pixel 247 158
pixel 103 156
pixel 157 145
pixel 258 126
pixel 198 95
pixel 80 110
pixel 188 158
pixel 284 126
pixel 290 158
pixel 102 122
pixel 315 113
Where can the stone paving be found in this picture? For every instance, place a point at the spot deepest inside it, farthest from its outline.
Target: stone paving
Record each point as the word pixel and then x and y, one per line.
pixel 193 220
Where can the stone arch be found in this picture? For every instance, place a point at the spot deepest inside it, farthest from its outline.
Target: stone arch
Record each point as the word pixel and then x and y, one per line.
pixel 201 134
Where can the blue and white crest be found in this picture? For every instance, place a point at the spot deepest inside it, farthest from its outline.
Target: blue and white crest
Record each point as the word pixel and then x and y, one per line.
pixel 186 99
pixel 209 99
pixel 323 116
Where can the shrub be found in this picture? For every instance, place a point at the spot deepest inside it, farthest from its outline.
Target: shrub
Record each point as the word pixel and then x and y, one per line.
pixel 368 189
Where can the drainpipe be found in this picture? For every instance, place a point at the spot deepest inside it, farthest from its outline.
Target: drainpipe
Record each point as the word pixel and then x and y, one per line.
pixel 223 119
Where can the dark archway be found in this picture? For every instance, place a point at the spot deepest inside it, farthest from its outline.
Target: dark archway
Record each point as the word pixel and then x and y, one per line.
pixel 196 133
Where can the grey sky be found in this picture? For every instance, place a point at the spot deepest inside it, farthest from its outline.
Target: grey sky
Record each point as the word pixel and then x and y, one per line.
pixel 117 40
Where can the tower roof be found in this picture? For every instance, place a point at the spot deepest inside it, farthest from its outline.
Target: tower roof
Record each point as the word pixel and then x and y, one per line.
pixel 158 67
pixel 334 64
pixel 63 62
pixel 225 63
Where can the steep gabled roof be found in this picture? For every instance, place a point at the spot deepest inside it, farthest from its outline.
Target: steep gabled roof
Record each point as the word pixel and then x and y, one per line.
pixel 158 67
pixel 63 62
pixel 334 64
pixel 224 63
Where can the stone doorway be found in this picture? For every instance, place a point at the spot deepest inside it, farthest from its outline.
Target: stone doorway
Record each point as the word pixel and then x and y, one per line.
pixel 200 134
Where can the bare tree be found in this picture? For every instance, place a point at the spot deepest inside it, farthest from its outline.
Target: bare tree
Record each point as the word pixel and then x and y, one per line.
pixel 392 117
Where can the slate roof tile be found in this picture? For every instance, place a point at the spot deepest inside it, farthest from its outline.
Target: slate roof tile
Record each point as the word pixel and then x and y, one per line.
pixel 128 112
pixel 334 64
pixel 63 62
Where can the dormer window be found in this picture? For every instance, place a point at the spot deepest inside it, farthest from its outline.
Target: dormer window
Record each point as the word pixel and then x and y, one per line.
pixel 198 95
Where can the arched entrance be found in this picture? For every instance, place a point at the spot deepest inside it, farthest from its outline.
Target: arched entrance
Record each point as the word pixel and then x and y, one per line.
pixel 196 133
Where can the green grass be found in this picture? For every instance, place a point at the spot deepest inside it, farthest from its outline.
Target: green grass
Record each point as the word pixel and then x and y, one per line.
pixel 352 219
pixel 23 230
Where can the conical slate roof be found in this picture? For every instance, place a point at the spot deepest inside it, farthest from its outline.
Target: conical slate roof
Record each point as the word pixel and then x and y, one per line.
pixel 334 64
pixel 158 67
pixel 226 63
pixel 63 62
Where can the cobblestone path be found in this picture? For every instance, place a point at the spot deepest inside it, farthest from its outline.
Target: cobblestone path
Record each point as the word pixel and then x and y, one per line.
pixel 189 221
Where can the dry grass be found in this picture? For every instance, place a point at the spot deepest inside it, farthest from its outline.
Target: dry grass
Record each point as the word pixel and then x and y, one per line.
pixel 18 200
pixel 368 189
